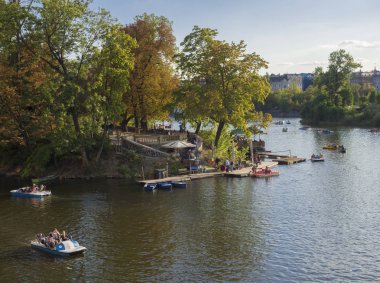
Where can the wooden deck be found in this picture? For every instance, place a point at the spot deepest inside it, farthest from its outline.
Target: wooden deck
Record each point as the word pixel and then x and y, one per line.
pixel 289 160
pixel 281 158
pixel 244 172
pixel 184 178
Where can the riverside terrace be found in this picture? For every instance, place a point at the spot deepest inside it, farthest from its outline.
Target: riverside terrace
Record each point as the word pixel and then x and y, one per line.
pixel 244 172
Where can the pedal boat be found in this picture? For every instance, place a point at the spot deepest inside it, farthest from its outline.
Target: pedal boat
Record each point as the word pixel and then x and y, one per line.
pixel 66 248
pixel 263 174
pixel 22 192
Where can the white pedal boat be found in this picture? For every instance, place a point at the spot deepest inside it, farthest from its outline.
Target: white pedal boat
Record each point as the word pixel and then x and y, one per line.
pixel 65 248
pixel 22 192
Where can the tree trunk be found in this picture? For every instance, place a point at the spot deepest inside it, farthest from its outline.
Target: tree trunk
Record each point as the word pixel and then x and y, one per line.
pixel 136 122
pixel 144 123
pixel 85 162
pixel 99 153
pixel 219 132
pixel 125 122
pixel 199 124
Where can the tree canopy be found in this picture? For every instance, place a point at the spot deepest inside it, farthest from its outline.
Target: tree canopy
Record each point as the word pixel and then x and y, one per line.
pixel 64 75
pixel 220 80
pixel 153 80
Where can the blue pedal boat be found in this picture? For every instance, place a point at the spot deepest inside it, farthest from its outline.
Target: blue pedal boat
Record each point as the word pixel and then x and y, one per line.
pixel 22 192
pixel 149 187
pixel 65 248
pixel 179 185
pixel 164 186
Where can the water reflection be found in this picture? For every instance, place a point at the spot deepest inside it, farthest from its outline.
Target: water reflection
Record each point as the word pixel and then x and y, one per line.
pixel 316 222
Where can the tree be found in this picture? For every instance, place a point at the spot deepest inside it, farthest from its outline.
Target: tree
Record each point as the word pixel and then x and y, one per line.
pixel 224 78
pixel 109 80
pixel 152 81
pixel 341 65
pixel 67 70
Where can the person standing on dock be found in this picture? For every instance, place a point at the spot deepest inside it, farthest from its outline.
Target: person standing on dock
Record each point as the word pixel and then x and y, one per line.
pixel 227 165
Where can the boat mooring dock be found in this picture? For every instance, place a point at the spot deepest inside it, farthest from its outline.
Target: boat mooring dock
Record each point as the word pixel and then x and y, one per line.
pixel 282 159
pixel 244 172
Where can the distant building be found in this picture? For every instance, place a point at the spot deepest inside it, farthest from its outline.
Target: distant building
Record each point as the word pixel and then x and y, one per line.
pixel 280 82
pixel 307 80
pixel 371 77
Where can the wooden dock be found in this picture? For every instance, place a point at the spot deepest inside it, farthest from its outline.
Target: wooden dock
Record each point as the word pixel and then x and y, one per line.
pixel 281 158
pixel 184 178
pixel 244 172
pixel 289 160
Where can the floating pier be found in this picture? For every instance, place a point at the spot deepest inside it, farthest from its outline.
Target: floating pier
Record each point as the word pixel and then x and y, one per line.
pixel 184 178
pixel 281 158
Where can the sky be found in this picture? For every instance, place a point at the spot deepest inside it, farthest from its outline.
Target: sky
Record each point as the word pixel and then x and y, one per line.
pixel 293 36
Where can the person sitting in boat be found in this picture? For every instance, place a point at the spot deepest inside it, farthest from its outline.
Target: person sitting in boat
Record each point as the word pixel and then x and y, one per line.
pixel 50 241
pixel 33 188
pixel 56 236
pixel 267 170
pixel 254 168
pixel 313 155
pixel 42 188
pixel 64 236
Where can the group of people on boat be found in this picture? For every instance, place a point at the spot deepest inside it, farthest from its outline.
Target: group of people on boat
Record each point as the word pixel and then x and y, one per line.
pixel 266 170
pixel 33 189
pixel 320 155
pixel 53 238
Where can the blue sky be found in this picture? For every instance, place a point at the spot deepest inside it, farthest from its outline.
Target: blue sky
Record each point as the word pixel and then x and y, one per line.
pixel 292 35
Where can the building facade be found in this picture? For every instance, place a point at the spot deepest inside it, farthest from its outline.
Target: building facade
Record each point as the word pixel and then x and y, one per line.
pixel 371 77
pixel 281 82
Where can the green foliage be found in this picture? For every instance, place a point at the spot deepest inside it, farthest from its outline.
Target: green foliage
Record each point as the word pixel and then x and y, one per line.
pixel 224 149
pixel 220 80
pixel 129 164
pixel 333 96
pixel 37 161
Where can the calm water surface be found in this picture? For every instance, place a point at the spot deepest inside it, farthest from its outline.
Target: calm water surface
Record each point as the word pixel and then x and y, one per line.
pixel 316 222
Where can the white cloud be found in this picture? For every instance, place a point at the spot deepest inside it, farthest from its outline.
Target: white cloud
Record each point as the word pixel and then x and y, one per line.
pixel 313 63
pixel 286 64
pixel 359 44
pixel 352 43
pixel 364 60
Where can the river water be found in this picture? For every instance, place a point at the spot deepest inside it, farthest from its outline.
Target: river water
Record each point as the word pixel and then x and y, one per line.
pixel 315 222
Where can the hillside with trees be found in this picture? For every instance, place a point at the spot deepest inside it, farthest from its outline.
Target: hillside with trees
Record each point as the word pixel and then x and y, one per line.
pixel 69 74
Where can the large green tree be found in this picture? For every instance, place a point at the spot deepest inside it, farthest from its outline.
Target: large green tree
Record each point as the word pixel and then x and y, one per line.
pixel 69 68
pixel 152 81
pixel 338 74
pixel 223 80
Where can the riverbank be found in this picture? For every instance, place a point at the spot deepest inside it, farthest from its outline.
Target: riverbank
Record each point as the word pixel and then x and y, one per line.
pixel 115 166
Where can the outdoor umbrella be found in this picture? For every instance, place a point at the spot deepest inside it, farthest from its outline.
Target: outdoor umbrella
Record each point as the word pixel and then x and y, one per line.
pixel 178 144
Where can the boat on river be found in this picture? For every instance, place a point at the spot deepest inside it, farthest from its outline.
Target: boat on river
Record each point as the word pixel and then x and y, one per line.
pixel 330 146
pixel 179 185
pixel 317 157
pixel 65 248
pixel 164 186
pixel 149 187
pixel 341 149
pixel 265 173
pixel 285 129
pixel 24 192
